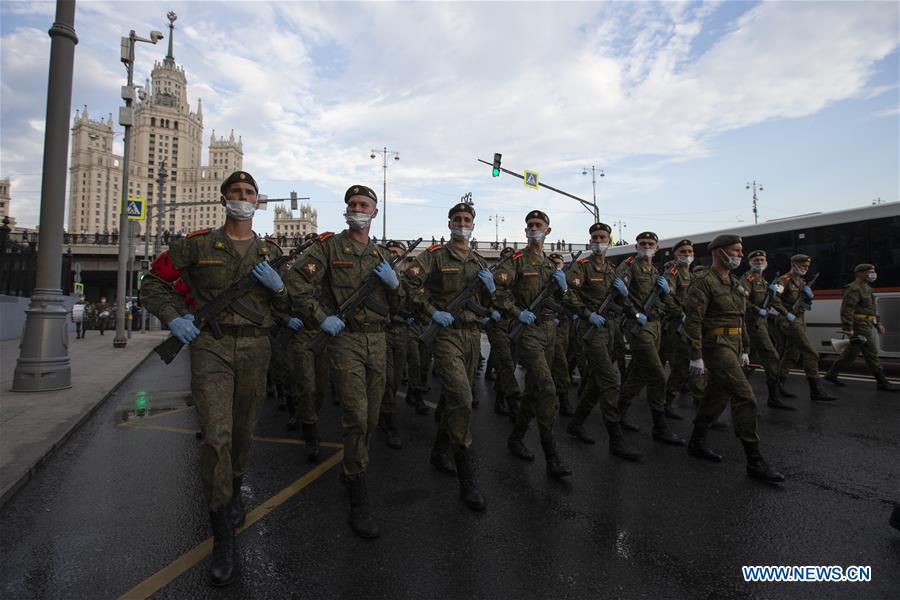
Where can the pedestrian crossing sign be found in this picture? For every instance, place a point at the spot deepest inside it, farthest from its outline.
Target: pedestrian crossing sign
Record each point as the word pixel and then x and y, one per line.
pixel 136 208
pixel 531 179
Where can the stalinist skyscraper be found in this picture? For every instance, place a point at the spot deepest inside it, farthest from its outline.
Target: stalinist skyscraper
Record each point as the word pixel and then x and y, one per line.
pixel 167 131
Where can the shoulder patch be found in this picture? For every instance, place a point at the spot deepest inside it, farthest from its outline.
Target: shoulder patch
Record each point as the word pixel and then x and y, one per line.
pixel 629 260
pixel 199 232
pixel 749 277
pixel 584 260
pixel 325 236
pixel 517 255
pixel 433 247
pixel 674 271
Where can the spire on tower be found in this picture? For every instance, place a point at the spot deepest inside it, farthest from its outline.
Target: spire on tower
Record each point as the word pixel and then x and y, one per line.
pixel 170 58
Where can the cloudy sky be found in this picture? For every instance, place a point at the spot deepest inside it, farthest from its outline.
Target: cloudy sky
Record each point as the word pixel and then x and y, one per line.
pixel 680 103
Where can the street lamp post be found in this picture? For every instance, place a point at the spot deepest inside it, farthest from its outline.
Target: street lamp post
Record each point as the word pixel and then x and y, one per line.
pixel 594 173
pixel 384 155
pixel 126 119
pixel 620 224
pixel 497 219
pixel 756 187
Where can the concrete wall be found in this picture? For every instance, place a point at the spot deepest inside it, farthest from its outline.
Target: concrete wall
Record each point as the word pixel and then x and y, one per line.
pixel 12 315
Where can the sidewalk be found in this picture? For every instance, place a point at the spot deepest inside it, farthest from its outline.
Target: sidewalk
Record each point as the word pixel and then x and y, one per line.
pixel 34 424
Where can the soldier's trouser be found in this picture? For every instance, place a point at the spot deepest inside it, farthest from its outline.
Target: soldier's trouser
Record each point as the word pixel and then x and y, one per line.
pixel 646 368
pixel 504 363
pixel 535 349
pixel 762 351
pixel 413 359
pixel 797 346
pixel 601 378
pixel 395 361
pixel 356 362
pixel 869 351
pixel 310 376
pixel 456 353
pixel 668 345
pixel 619 350
pixel 560 368
pixel 726 383
pixel 679 371
pixel 228 386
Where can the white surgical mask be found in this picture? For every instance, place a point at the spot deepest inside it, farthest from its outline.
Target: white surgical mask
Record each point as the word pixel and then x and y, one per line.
pixel 871 277
pixel 759 267
pixel 732 262
pixel 535 236
pixel 646 252
pixel 357 221
pixel 800 272
pixel 599 249
pixel 461 233
pixel 685 260
pixel 239 210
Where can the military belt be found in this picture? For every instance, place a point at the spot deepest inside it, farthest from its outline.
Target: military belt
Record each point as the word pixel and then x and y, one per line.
pixel 724 331
pixel 244 330
pixel 863 317
pixel 465 325
pixel 353 327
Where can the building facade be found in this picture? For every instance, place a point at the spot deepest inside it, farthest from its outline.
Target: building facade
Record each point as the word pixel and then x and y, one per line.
pixel 288 226
pixel 5 199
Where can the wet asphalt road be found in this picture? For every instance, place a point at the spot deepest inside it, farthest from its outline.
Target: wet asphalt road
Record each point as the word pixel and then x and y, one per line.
pixel 121 501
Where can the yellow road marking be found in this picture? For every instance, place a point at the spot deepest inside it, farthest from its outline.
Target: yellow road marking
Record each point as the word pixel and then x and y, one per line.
pixel 186 561
pixel 274 440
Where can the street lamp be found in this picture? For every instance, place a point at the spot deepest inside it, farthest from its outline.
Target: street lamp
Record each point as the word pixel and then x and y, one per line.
pixel 756 187
pixel 620 224
pixel 497 219
pixel 126 119
pixel 594 173
pixel 384 155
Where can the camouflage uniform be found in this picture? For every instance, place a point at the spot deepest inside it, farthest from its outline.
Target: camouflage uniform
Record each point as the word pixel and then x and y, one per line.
pixel 797 345
pixel 228 375
pixel 762 351
pixel 679 278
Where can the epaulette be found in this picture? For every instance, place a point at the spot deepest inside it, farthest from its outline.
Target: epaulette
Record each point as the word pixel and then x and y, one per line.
pixel 324 236
pixel 674 271
pixel 433 247
pixel 629 260
pixel 786 277
pixel 585 259
pixel 517 255
pixel 198 232
pixel 749 276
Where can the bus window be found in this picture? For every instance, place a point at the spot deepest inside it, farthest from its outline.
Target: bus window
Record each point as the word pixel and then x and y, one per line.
pixel 884 250
pixel 821 243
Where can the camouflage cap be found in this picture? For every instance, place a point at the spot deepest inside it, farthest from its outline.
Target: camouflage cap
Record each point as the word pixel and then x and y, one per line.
pixel 800 258
pixel 359 190
pixel 508 251
pixel 726 239
pixel 538 214
pixel 238 177
pixel 682 243
pixel 461 207
pixel 556 256
pixel 395 244
pixel 756 253
pixel 647 235
pixel 864 267
pixel 602 226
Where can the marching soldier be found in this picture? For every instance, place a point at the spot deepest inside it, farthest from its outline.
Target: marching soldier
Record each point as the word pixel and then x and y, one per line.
pixel 418 357
pixel 679 279
pixel 434 278
pixel 395 336
pixel 337 266
pixel 762 351
pixel 591 280
pixel 518 283
pixel 228 375
pixel 560 369
pixel 643 333
pixel 859 321
pixel 506 388
pixel 715 309
pixel 797 345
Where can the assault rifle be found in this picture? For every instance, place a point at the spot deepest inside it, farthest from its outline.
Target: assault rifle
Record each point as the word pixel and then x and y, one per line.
pixel 209 313
pixel 767 301
pixel 465 298
pixel 361 296
pixel 653 303
pixel 802 304
pixel 608 304
pixel 544 298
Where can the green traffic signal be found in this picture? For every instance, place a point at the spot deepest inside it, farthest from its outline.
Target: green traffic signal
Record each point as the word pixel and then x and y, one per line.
pixel 496 172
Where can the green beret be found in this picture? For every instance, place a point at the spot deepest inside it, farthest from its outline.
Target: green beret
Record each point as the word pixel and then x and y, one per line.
pixel 800 258
pixel 863 267
pixel 556 256
pixel 756 253
pixel 359 190
pixel 538 214
pixel 395 244
pixel 726 239
pixel 238 177
pixel 682 243
pixel 602 226
pixel 644 235
pixel 461 207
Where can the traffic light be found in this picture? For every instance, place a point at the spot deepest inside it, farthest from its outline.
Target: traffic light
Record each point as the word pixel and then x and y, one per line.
pixel 496 171
pixel 293 200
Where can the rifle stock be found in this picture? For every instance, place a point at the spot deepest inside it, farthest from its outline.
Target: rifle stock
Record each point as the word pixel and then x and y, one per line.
pixel 608 304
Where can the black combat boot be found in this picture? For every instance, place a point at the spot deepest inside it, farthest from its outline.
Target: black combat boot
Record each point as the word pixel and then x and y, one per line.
pixel 236 512
pixel 556 468
pixel 576 425
pixel 832 378
pixel 774 401
pixel 439 410
pixel 411 394
pixel 617 445
pixel 661 431
pixel 386 423
pixel 757 468
pixel 895 518
pixel 440 454
pixel 782 391
pixel 697 445
pixel 415 398
pixel 468 487
pixel 515 443
pixel 221 564
pixel 671 413
pixel 292 422
pixel 623 411
pixel 816 392
pixel 883 384
pixel 311 439
pixel 500 406
pixel 513 401
pixel 565 409
pixel 361 520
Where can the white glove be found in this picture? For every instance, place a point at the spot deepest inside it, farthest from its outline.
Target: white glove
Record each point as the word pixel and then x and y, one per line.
pixel 696 367
pixel 745 359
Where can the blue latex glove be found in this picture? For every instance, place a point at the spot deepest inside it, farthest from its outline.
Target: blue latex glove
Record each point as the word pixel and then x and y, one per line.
pixel 495 315
pixel 663 285
pixel 556 322
pixel 642 319
pixel 560 278
pixel 332 325
pixel 411 321
pixel 597 320
pixel 267 276
pixel 774 288
pixel 620 286
pixel 487 279
pixel 442 318
pixel 527 317
pixel 295 324
pixel 763 313
pixel 387 275
pixel 807 291
pixel 183 328
pixel 790 318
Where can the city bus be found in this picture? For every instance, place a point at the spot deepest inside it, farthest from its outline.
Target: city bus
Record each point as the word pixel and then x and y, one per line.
pixel 837 242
